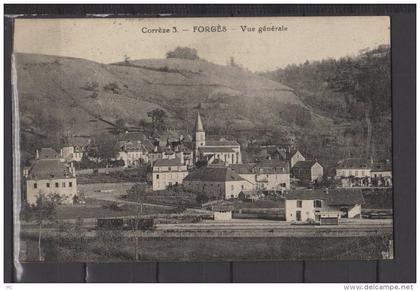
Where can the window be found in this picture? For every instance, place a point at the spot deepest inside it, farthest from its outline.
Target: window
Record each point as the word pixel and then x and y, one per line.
pixel 157 176
pixel 356 173
pixel 169 168
pixel 35 185
pixel 232 187
pixel 48 185
pixel 317 203
pixel 56 185
pixel 70 184
pixel 63 184
pixel 242 187
pixel 299 203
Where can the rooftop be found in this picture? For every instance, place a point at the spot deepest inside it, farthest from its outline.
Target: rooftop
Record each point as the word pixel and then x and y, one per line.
pixel 221 143
pixel 380 167
pixel 353 163
pixel 167 163
pixel 49 169
pixel 213 173
pixel 212 149
pixel 133 136
pixel 78 141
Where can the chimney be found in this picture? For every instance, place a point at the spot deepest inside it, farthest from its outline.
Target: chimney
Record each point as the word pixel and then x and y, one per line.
pixel 37 154
pixel 61 153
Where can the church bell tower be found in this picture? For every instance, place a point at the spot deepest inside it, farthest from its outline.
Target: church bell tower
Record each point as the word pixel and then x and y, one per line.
pixel 199 135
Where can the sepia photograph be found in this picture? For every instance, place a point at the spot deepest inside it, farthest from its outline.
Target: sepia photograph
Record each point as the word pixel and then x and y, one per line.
pixel 202 139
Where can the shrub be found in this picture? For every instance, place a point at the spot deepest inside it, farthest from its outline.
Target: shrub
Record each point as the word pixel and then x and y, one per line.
pixel 113 87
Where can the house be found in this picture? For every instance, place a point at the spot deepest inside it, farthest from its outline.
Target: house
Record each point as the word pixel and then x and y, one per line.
pixel 292 156
pixel 265 175
pixel 229 151
pixel 133 149
pixel 76 147
pixel 167 172
pixel 358 168
pixel 50 176
pixel 307 204
pixel 133 153
pixel 217 182
pixel 182 153
pixel 272 175
pixel 309 170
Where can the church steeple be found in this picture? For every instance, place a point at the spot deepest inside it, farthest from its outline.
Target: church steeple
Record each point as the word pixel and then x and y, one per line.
pixel 198 123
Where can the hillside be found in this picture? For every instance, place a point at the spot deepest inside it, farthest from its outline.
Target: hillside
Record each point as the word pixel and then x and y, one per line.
pixel 62 96
pixel 355 92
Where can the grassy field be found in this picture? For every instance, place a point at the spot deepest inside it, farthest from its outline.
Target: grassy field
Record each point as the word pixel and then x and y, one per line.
pixel 110 248
pixel 104 210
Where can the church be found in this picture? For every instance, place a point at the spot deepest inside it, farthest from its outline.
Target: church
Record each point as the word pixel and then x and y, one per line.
pixel 214 150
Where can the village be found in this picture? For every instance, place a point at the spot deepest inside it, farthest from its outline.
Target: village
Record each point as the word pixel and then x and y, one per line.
pixel 207 174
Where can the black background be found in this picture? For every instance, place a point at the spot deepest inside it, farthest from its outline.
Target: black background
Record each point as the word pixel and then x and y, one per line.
pixel 401 269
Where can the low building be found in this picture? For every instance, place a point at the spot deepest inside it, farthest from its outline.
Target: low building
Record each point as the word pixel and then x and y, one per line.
pixel 222 212
pixel 357 168
pixel 217 182
pixel 306 204
pixel 309 170
pixel 50 176
pixel 167 172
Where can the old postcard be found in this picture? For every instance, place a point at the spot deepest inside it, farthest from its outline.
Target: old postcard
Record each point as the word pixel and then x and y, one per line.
pixel 202 139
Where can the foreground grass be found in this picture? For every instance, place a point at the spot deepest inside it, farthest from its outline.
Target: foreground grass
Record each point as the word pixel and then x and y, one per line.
pixel 109 247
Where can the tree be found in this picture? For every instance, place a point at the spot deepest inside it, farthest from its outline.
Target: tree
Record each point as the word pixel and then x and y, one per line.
pixel 158 119
pixel 44 211
pixel 107 147
pixel 201 198
pixel 367 79
pixel 120 126
pixel 183 53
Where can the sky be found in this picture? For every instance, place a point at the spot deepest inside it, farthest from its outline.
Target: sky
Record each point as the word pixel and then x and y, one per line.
pixel 108 40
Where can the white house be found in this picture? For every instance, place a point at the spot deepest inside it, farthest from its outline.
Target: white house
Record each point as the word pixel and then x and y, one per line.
pixel 50 176
pixel 357 168
pixel 217 182
pixel 265 175
pixel 168 172
pixel 307 204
